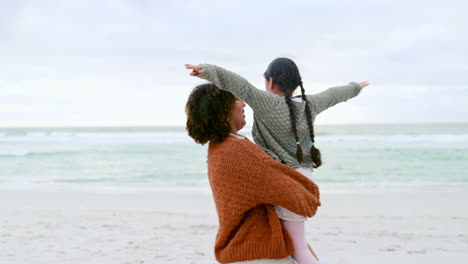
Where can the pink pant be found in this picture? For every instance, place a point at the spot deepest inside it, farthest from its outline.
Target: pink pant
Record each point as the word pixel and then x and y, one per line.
pixel 295 224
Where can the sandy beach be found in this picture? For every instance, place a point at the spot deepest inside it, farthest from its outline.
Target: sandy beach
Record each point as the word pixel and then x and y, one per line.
pixel 178 225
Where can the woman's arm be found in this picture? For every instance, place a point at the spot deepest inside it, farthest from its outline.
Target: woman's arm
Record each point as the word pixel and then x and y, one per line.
pixel 259 179
pixel 335 95
pixel 284 186
pixel 260 101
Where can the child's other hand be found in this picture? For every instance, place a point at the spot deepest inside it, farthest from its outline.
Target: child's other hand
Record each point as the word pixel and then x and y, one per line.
pixel 364 84
pixel 196 70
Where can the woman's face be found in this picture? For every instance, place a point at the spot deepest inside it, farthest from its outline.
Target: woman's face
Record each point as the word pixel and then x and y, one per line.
pixel 237 116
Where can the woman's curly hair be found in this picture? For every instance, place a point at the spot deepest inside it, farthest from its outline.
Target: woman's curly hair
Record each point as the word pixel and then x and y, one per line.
pixel 208 112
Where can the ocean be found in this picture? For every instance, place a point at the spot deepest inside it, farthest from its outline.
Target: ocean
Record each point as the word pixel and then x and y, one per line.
pixel 360 155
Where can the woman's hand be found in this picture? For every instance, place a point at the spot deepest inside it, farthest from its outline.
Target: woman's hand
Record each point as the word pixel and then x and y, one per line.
pixel 196 70
pixel 363 84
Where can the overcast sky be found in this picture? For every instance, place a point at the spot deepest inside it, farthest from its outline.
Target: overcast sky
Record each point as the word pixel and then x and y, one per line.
pixel 117 62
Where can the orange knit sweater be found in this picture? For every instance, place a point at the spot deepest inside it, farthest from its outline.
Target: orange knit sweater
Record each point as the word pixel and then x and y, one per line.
pixel 246 183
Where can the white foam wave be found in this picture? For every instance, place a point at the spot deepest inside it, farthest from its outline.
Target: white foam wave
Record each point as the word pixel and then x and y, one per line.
pixel 396 138
pixel 170 137
pixel 15 153
pixel 336 187
pixel 106 137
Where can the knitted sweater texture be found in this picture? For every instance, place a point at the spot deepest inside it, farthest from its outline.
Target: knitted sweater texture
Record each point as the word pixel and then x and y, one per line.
pixel 272 129
pixel 246 183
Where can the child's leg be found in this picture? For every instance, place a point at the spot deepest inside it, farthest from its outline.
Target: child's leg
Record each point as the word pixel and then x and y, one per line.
pixel 302 254
pixel 295 224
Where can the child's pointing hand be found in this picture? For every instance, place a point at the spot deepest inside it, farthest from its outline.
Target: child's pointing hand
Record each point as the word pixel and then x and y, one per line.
pixel 196 70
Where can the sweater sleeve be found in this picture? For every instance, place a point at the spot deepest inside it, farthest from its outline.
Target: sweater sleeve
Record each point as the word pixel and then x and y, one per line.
pixel 245 175
pixel 260 101
pixel 333 96
pixel 281 185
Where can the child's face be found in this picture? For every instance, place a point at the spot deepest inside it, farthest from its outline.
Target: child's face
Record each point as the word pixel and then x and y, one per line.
pixel 268 84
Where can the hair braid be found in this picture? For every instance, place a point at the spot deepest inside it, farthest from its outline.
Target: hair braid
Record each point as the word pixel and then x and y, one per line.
pixel 314 152
pixel 299 154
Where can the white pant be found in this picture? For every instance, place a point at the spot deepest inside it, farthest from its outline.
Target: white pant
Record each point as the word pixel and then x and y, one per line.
pixel 287 215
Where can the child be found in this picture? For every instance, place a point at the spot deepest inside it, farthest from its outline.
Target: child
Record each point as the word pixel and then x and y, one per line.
pixel 283 125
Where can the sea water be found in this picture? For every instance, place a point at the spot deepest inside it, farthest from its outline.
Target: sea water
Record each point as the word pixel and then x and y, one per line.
pixel 365 155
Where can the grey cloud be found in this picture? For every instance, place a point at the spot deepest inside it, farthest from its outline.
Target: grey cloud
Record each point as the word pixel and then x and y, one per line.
pixel 144 44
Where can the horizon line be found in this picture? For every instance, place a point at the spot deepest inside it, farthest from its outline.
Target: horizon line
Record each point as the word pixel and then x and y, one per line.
pixel 183 126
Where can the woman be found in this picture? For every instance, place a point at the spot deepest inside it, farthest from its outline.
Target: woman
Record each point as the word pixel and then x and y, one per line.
pixel 246 182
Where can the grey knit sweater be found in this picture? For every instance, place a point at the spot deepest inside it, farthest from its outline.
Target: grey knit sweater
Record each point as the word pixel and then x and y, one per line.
pixel 272 129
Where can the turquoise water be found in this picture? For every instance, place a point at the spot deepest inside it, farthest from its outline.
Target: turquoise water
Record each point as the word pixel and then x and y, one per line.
pixel 360 154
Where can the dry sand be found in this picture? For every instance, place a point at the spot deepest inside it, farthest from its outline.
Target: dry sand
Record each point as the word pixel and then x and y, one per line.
pixel 153 224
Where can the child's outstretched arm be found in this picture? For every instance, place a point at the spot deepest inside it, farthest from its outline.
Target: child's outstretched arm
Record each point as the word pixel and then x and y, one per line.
pixel 335 95
pixel 260 101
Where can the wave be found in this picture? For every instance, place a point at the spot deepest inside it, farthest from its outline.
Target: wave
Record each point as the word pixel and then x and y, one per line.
pixel 396 138
pixel 14 154
pixel 97 137
pixel 182 137
pixel 387 186
pixel 37 153
pixel 14 133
